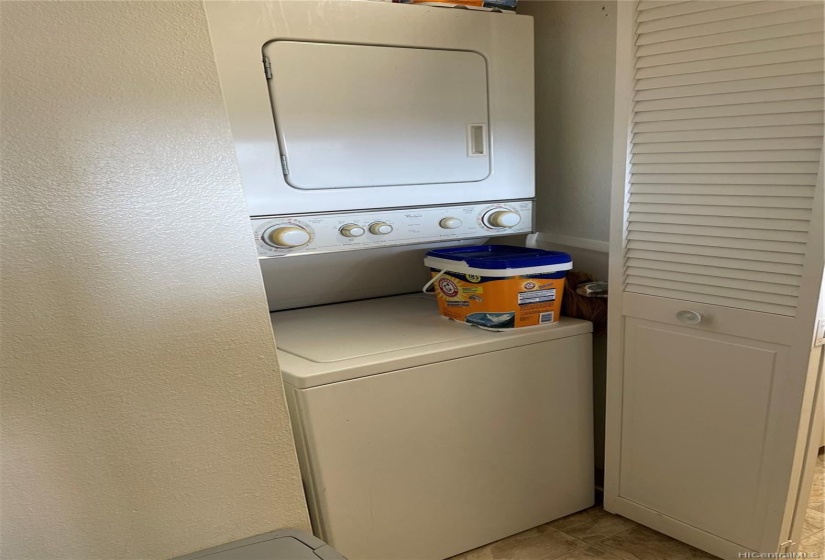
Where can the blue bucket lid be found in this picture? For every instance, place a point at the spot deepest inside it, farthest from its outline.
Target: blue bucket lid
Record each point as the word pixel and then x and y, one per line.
pixel 497 257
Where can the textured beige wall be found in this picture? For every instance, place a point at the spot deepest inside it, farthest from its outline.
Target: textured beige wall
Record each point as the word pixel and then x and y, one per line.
pixel 142 411
pixel 575 71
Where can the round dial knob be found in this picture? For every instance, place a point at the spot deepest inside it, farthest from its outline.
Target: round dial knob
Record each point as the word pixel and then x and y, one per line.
pixel 380 228
pixel 286 236
pixel 501 218
pixel 450 223
pixel 352 230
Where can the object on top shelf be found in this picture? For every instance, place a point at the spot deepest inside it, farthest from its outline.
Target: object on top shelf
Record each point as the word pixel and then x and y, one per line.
pixel 505 6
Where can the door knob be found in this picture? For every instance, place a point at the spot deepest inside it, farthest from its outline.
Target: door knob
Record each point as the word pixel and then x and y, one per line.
pixel 689 317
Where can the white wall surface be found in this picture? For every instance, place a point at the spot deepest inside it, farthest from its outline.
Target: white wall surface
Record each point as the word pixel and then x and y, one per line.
pixel 575 71
pixel 142 408
pixel 575 74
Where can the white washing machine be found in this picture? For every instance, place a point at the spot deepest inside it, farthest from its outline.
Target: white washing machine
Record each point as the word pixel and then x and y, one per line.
pixel 420 438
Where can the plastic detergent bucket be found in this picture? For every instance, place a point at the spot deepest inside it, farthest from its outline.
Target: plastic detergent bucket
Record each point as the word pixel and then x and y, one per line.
pixel 498 286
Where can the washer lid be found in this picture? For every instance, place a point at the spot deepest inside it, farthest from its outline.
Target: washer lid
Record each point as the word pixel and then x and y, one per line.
pixel 332 343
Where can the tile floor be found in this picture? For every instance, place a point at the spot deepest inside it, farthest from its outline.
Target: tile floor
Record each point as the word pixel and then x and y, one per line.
pixel 594 534
pixel 813 532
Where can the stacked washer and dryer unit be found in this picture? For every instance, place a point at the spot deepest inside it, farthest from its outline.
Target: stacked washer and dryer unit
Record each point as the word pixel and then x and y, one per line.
pixel 368 133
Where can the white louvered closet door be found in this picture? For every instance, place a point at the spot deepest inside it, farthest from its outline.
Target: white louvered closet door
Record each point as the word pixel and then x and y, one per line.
pixel 716 263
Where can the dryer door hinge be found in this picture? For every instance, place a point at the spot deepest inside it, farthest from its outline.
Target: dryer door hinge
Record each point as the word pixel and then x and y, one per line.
pixel 267 68
pixel 284 166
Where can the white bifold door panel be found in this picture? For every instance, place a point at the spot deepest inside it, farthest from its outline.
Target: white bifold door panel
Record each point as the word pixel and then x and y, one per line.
pixel 364 116
pixel 716 264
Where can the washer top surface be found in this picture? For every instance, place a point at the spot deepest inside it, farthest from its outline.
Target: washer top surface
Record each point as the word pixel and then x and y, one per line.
pixel 340 342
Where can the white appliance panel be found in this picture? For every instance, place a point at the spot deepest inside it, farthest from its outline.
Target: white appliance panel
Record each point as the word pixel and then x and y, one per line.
pixel 333 343
pixel 431 461
pixel 315 259
pixel 349 231
pixel 325 278
pixel 354 116
pixel 428 42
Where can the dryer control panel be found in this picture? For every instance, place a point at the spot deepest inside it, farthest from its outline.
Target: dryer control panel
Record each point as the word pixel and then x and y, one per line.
pixel 279 236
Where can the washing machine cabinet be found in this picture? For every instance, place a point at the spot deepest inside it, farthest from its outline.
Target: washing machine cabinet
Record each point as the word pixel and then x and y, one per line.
pixel 422 438
pixel 356 105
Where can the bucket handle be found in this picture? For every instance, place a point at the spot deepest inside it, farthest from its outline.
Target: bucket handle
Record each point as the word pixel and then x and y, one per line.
pixel 432 280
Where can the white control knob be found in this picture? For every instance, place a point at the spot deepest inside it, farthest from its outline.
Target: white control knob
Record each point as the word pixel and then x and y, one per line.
pixel 380 228
pixel 286 236
pixel 450 223
pixel 352 230
pixel 501 218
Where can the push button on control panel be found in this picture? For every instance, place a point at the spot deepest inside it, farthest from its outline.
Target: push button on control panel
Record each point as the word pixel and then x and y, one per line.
pixel 450 223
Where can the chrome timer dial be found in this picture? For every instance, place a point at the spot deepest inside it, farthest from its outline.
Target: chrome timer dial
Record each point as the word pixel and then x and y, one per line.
pixel 501 218
pixel 286 236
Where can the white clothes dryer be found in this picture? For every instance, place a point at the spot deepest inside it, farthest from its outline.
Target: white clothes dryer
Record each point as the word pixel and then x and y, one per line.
pixel 338 106
pixel 420 438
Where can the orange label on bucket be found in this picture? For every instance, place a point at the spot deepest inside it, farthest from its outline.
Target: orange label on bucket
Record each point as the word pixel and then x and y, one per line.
pixel 500 303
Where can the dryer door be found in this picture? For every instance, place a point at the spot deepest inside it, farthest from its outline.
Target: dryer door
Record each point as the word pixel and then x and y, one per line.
pixel 351 116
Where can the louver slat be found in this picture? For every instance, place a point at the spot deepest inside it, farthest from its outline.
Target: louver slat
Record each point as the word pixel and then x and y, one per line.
pixel 792 191
pixel 720 221
pixel 731 86
pixel 748 201
pixel 761 265
pixel 657 10
pixel 730 74
pixel 723 242
pixel 749 284
pixel 714 290
pixel 732 99
pixel 710 146
pixel 729 168
pixel 731 25
pixel 716 272
pixel 803 131
pixel 730 62
pixel 735 49
pixel 648 4
pixel 717 231
pixel 760 178
pixel 711 18
pixel 725 149
pixel 813 25
pixel 719 156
